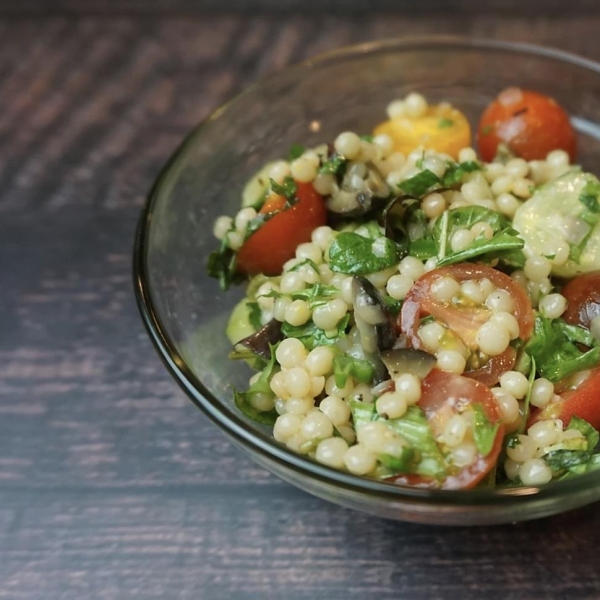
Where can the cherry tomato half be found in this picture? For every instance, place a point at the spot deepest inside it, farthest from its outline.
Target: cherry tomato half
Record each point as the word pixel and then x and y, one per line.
pixel 273 244
pixel 465 321
pixel 442 395
pixel 583 299
pixel 529 123
pixel 584 402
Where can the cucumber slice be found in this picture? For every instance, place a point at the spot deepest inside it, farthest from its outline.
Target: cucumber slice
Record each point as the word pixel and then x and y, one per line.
pixel 239 326
pixel 551 218
pixel 256 188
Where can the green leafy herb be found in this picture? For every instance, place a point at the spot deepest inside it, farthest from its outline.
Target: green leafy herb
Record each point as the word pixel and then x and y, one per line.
pixel 455 172
pixel 257 222
pixel 243 400
pixel 591 435
pixel 362 413
pixel 254 315
pixel 393 305
pixel 487 129
pixel 445 123
pixel 367 138
pixel 312 336
pixel 589 196
pixel 222 265
pixel 526 404
pixel 296 151
pixel 353 254
pixel 403 463
pixel 565 460
pixel 306 261
pixel 576 333
pixel 556 356
pixel 335 165
pixel 346 366
pixel 484 431
pixel 418 185
pixel 287 189
pixel 315 295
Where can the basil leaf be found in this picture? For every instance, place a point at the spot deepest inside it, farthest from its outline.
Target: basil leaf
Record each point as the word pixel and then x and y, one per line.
pixel 484 431
pixel 527 403
pixel 455 172
pixel 346 366
pixel 576 333
pixel 561 460
pixel 254 315
pixel 312 336
pixel 353 254
pixel 296 151
pixel 419 184
pixel 367 138
pixel 287 189
pixel 334 165
pixel 306 261
pixel 222 265
pixel 403 463
pixel 589 196
pixel 591 435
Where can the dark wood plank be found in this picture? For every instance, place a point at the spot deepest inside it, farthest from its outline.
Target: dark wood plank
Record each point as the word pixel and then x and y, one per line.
pixel 112 485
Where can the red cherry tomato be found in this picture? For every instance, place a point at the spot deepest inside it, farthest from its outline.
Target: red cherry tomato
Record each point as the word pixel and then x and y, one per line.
pixel 442 395
pixel 464 321
pixel 271 246
pixel 583 299
pixel 530 124
pixel 584 402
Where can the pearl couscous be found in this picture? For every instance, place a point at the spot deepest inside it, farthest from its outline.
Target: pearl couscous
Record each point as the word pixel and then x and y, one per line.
pixel 417 311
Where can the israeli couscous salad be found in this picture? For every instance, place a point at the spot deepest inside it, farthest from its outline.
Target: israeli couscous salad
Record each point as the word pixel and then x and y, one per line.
pixel 420 312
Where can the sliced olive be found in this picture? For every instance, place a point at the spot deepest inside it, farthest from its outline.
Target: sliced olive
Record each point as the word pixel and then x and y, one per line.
pixel 258 343
pixel 408 360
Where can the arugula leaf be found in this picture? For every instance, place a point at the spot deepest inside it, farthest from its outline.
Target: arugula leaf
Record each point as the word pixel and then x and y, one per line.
pixel 346 366
pixel 589 196
pixel 254 315
pixel 484 431
pixel 467 216
pixel 591 435
pixel 296 151
pixel 312 336
pixel 334 165
pixel 367 138
pixel 306 261
pixel 353 254
pixel 419 184
pixel 455 172
pixel 556 356
pixel 561 460
pixel 287 189
pixel 315 295
pixel 445 123
pixel 576 333
pixel 222 265
pixel 243 400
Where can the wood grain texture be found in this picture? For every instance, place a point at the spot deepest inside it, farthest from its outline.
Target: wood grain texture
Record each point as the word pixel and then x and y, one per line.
pixel 112 485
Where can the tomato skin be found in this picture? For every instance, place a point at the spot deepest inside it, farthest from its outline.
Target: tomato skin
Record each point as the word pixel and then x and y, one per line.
pixel 584 402
pixel 465 321
pixel 529 123
pixel 273 244
pixel 443 393
pixel 583 299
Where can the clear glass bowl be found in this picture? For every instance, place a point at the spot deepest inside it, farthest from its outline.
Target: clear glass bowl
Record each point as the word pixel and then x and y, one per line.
pixel 186 314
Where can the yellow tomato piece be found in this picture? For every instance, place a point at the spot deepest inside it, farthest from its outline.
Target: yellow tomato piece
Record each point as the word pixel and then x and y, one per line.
pixel 442 128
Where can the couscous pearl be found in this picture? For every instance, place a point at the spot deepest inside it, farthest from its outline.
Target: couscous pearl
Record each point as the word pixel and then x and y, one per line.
pixel 346 289
pixel 482 229
pixel 347 432
pixel 310 251
pixel 279 171
pixel 222 226
pixel 316 426
pixel 571 434
pixel 299 406
pixel 475 190
pixel 535 472
pixel 507 204
pixel 409 386
pixel 487 287
pixel 493 171
pixel 322 237
pixel 362 392
pixel 290 353
pixel 537 268
pixel 264 301
pixel 500 301
pixel 395 161
pixel 262 402
pixel 319 361
pixel 336 409
pixel 297 313
pixel 286 426
pixel 291 283
pixel 542 391
pixel 243 217
pixel 517 167
pixel 430 264
pixel 380 278
pixel 235 239
pixel 278 386
pixel 579 378
pixel 396 109
pixel 324 183
pixel 391 404
pixel 280 307
pixel 445 288
pixel 331 452
pixel 514 383
pixel 433 205
pixel 546 433
pixel 393 446
pixel 385 143
pixel 464 454
pixel 451 361
pixel 493 338
pixel 303 170
pixel 298 443
pixel 394 178
pixel 415 105
pixel 368 152
pixel 595 328
pixel 398 286
pixel 317 385
pixel 373 435
pixel 471 290
pixel 435 164
pixel 507 404
pixel 348 145
pixel 411 267
pixel 359 460
pixel 337 280
pixel 523 187
pixel 325 273
pixel 333 390
pixel 455 431
pixel 280 406
pixel 511 468
pixel 461 239
pixel 297 382
pixel 467 155
pixel 557 158
pixel 431 335
pixel 308 274
pixel 522 449
pixel 553 306
pixel 312 157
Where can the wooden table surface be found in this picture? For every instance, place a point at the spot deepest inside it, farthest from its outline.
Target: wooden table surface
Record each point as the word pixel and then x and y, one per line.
pixel 112 484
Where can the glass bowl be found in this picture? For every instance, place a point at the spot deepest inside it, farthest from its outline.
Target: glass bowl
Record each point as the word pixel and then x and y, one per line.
pixel 186 313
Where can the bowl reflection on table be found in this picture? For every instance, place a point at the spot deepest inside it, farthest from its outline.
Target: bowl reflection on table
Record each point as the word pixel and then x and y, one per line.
pixel 185 312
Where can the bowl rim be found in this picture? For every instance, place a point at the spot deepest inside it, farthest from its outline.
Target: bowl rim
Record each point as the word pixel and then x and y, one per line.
pixel 230 422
